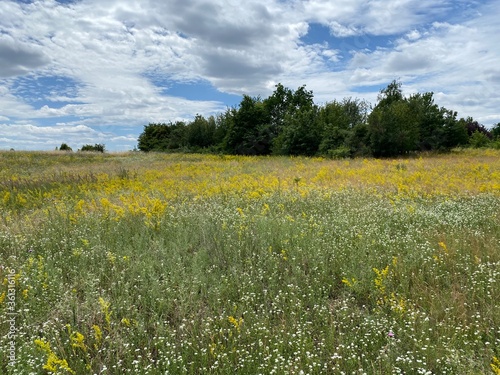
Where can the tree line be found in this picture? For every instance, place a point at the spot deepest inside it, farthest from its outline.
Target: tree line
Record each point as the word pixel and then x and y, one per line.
pixel 289 123
pixel 98 147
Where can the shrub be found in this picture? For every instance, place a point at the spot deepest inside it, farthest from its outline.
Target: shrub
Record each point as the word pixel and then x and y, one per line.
pixel 65 147
pixel 98 147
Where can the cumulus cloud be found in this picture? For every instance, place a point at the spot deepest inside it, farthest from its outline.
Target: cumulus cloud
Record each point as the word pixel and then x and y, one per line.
pixel 119 56
pixel 26 136
pixel 18 58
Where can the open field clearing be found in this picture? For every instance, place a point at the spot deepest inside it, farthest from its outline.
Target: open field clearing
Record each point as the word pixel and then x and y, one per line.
pixel 189 264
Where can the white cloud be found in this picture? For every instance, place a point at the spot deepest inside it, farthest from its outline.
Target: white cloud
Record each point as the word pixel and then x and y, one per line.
pixel 17 58
pixel 119 53
pixel 25 136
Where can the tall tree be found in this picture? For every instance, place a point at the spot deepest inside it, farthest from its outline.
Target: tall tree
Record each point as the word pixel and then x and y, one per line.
pixel 430 121
pixel 455 132
pixel 277 105
pixel 301 135
pixel 154 137
pixel 248 132
pixel 200 132
pixel 393 125
pixel 337 121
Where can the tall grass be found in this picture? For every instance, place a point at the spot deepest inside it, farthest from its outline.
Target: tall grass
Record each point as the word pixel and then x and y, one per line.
pixel 157 264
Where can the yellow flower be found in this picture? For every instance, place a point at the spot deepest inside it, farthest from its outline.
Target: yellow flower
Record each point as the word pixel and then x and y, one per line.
pixel 105 310
pixel 283 255
pixel 495 366
pixel 379 280
pixel 111 257
pixel 125 322
pixel 349 283
pixel 77 341
pixel 54 363
pixel 97 335
pixel 443 246
pixel 235 322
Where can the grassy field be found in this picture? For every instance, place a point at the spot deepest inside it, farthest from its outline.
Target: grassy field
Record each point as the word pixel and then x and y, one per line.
pixel 188 264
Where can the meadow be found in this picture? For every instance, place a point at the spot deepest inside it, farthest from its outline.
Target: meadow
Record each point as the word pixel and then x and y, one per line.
pixel 152 263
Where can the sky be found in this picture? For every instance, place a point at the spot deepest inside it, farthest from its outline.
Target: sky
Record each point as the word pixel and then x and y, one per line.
pixel 97 71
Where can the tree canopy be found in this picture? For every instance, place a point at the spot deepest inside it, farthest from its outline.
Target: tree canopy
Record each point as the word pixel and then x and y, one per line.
pixel 288 122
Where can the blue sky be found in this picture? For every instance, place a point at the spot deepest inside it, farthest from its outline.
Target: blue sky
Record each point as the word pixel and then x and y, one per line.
pixel 93 71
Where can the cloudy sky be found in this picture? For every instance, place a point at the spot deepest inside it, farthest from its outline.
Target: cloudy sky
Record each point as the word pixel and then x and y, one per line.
pixel 97 71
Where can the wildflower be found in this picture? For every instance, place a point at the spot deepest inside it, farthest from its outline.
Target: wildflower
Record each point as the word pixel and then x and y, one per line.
pixel 390 334
pixel 444 247
pixel 495 366
pixel 54 363
pixel 283 255
pixel 235 322
pixel 125 322
pixel 77 341
pixel 349 283
pixel 111 257
pixel 379 280
pixel 105 310
pixel 97 335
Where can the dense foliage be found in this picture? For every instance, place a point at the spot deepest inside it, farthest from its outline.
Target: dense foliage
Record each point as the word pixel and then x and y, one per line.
pixel 289 123
pixel 154 264
pixel 98 147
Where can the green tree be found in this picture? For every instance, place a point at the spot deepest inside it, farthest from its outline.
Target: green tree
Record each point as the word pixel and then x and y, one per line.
pixel 64 147
pixel 98 147
pixel 249 132
pixel 301 135
pixel 299 114
pixel 277 106
pixel 154 137
pixel 455 132
pixel 358 140
pixel 393 123
pixel 430 120
pixel 200 132
pixel 495 131
pixel 478 140
pixel 224 123
pixel 178 136
pixel 337 121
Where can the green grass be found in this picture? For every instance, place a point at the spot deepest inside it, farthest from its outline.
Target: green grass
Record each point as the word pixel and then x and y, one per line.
pixel 345 282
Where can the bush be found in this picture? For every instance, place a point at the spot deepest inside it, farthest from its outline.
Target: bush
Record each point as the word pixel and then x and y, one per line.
pixel 478 139
pixel 65 147
pixel 341 152
pixel 96 148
